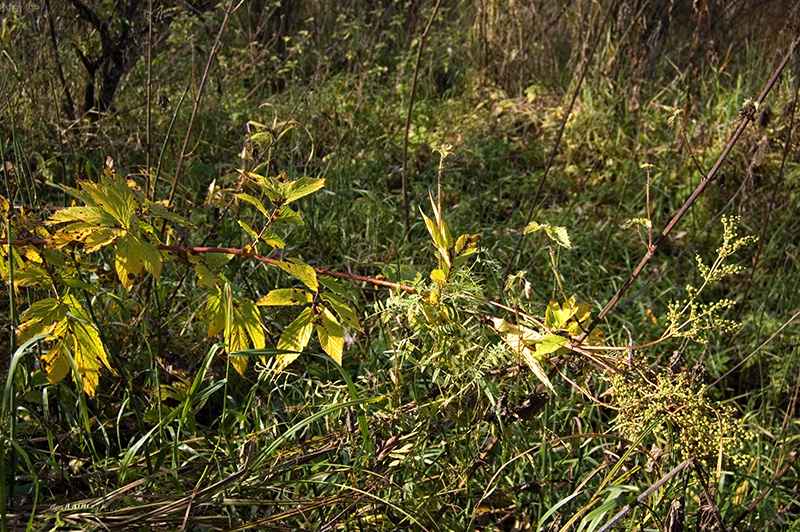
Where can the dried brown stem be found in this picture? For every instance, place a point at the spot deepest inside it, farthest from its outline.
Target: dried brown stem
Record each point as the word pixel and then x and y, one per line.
pixel 641 498
pixel 404 176
pixel 689 202
pixel 561 128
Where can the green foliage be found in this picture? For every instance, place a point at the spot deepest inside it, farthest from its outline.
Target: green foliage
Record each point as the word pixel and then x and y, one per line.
pixel 459 400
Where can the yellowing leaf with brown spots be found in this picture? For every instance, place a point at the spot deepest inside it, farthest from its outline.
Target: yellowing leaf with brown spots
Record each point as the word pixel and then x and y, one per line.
pixel 75 337
pixel 132 256
pixel 331 336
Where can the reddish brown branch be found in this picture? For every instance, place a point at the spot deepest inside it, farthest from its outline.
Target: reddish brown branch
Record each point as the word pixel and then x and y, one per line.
pixel 244 253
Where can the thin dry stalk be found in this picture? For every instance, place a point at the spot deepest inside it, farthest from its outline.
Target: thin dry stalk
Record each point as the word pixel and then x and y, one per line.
pixel 408 118
pixel 228 12
pixel 641 498
pixel 689 202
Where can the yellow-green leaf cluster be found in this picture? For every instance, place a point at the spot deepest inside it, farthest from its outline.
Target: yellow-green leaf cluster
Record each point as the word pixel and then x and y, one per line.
pixel 572 318
pixel 556 233
pixel 324 312
pixel 451 255
pixel 75 336
pixel 520 338
pixel 280 191
pixel 561 323
pixel 116 212
pixel 239 320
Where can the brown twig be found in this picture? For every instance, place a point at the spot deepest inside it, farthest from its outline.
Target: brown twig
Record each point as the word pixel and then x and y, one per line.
pixel 197 101
pixel 641 498
pixel 689 202
pixel 560 134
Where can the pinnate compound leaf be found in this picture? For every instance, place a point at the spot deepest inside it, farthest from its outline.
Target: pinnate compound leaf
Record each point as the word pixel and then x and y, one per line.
pixel 295 338
pixel 304 186
pixel 557 234
pixel 301 271
pixel 331 336
pixel 549 344
pixel 75 336
pixel 285 297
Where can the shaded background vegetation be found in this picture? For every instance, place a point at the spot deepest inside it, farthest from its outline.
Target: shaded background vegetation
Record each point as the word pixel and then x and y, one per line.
pixel 85 81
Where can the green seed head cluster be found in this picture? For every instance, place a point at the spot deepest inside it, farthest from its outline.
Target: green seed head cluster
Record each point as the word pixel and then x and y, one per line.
pixel 690 317
pixel 679 413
